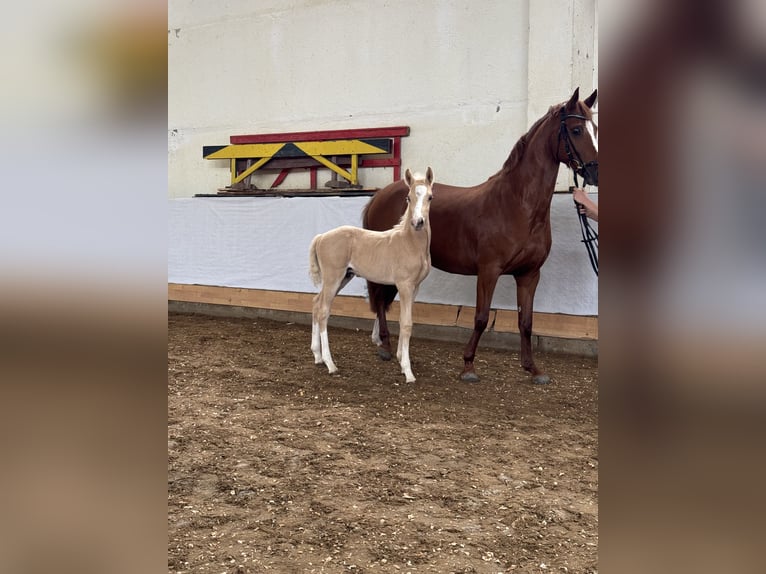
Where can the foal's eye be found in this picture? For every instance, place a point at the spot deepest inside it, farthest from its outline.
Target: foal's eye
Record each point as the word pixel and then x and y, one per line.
pixel 407 198
pixel 430 198
pixel 577 131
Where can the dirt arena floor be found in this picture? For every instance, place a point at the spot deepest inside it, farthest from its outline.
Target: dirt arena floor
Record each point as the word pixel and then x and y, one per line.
pixel 276 466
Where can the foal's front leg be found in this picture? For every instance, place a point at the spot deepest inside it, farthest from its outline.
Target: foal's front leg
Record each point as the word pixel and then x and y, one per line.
pixel 320 343
pixel 406 298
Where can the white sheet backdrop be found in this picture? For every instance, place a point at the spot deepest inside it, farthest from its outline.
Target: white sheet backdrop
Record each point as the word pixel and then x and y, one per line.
pixel 262 243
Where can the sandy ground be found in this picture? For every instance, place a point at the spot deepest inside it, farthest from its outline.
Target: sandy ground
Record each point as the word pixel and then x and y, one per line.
pixel 276 466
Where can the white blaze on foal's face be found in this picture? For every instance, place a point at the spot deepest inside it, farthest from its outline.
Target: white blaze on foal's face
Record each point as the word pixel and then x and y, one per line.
pixel 419 196
pixel 417 213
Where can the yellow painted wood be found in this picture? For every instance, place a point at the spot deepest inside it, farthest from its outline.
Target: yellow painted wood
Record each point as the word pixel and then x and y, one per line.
pixel 244 151
pixel 337 169
pixel 237 178
pixel 338 147
pixel 354 169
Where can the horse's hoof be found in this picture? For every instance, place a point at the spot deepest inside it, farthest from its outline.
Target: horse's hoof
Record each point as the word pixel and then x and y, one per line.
pixel 469 377
pixel 383 354
pixel 541 380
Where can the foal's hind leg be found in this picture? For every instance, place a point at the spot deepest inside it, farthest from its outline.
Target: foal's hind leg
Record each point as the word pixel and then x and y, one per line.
pixel 320 343
pixel 316 345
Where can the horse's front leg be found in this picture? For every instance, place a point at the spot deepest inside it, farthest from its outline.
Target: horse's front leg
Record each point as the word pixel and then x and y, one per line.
pixel 526 285
pixel 406 298
pixel 485 288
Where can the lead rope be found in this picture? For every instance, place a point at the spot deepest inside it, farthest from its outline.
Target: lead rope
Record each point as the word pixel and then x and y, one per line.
pixel 589 235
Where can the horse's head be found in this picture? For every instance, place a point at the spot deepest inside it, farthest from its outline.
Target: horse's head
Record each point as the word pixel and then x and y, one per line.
pixel 419 197
pixel 578 137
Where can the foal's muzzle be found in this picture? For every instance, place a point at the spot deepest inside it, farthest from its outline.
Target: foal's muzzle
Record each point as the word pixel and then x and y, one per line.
pixel 418 223
pixel 589 172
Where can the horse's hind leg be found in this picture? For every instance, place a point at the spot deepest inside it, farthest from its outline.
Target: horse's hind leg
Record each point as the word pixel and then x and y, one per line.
pixel 320 316
pixel 381 297
pixel 526 285
pixel 316 345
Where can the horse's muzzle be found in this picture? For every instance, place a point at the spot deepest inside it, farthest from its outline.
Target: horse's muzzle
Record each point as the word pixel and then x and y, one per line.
pixel 418 223
pixel 589 172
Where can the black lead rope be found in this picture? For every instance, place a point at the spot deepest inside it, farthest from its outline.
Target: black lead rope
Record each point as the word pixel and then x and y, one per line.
pixel 589 235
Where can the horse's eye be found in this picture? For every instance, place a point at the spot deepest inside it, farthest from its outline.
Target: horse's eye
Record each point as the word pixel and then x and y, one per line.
pixel 577 131
pixel 430 198
pixel 407 198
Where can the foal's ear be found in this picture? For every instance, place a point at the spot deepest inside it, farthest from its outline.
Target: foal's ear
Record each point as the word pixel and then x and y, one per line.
pixel 590 100
pixel 429 176
pixel 574 99
pixel 408 177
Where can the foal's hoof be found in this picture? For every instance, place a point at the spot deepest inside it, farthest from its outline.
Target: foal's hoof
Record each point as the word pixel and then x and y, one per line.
pixel 541 380
pixel 469 377
pixel 383 354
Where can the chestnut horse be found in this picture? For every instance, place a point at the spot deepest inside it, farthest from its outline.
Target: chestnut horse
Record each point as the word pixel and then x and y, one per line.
pixel 499 227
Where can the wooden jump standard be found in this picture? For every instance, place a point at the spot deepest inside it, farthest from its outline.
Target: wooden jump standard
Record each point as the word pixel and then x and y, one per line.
pixel 333 149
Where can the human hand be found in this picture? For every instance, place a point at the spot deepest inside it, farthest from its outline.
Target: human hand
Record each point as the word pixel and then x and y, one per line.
pixel 585 205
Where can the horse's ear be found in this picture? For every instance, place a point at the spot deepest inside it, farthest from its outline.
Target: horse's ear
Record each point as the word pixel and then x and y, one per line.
pixel 429 175
pixel 590 100
pixel 574 99
pixel 408 177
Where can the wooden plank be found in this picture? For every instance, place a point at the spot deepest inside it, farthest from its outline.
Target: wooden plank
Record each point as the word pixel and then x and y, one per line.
pixel 553 324
pixel 397 131
pixel 500 320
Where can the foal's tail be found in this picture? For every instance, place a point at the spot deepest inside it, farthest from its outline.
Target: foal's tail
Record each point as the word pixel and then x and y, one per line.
pixel 314 271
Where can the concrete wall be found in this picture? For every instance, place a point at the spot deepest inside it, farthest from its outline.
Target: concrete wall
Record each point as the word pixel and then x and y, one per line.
pixel 468 77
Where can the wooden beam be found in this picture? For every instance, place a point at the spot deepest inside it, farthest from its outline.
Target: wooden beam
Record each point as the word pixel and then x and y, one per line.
pixel 500 320
pixel 397 131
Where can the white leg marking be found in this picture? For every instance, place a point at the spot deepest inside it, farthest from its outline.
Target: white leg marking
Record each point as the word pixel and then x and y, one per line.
pixel 405 362
pixel 376 333
pixel 316 347
pixel 326 353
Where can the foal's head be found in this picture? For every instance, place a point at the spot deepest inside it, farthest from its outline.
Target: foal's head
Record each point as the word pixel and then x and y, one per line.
pixel 578 137
pixel 419 197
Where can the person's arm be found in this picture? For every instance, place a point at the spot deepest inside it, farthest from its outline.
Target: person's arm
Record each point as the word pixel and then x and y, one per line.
pixel 585 204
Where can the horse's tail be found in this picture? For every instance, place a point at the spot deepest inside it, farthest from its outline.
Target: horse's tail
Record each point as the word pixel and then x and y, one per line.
pixel 314 271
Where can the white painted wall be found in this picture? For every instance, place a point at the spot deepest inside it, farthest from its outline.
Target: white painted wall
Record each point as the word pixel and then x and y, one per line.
pixel 468 77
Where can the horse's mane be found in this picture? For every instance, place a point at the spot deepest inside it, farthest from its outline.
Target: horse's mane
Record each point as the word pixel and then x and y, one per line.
pixel 518 149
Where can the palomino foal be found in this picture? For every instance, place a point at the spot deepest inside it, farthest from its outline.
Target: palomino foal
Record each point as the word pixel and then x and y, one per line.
pixel 400 256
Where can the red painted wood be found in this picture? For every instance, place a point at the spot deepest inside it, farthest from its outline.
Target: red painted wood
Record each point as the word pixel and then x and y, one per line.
pixel 280 178
pixel 322 135
pixel 397 153
pixel 391 162
pixel 313 176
